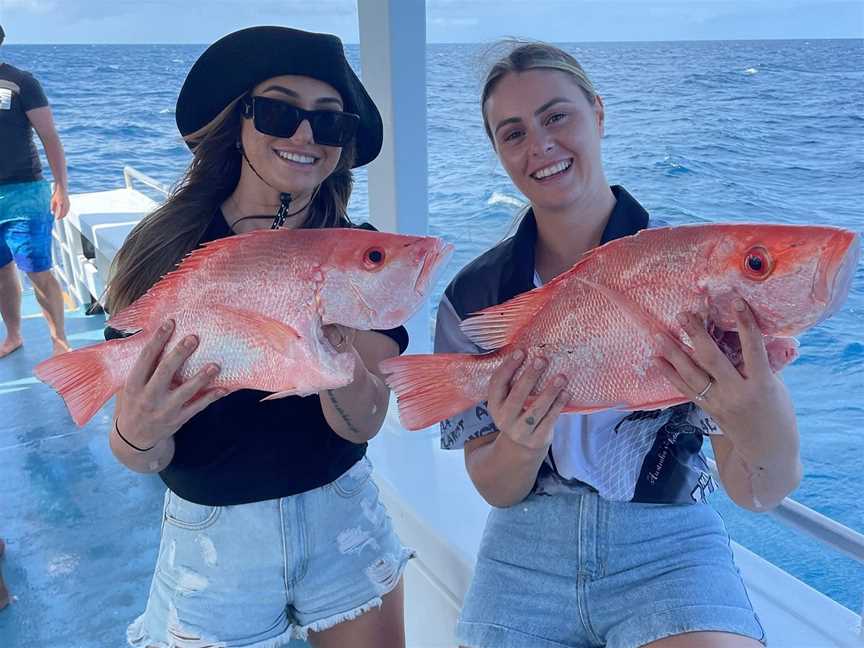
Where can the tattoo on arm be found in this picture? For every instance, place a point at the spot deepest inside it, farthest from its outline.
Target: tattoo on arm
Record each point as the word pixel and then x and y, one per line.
pixel 343 414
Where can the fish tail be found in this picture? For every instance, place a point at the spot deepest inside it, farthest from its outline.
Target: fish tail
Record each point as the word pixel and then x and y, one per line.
pixel 83 378
pixel 426 387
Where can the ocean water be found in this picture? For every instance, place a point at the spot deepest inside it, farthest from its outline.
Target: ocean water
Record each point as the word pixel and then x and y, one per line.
pixel 698 132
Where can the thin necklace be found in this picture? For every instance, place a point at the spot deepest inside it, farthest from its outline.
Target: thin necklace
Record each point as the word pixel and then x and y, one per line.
pixel 294 213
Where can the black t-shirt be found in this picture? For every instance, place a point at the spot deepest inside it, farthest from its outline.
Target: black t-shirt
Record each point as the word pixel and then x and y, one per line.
pixel 240 450
pixel 19 92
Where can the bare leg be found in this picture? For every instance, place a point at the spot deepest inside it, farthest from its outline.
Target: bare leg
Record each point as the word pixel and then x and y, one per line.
pixel 50 298
pixel 382 627
pixel 10 308
pixel 705 640
pixel 4 593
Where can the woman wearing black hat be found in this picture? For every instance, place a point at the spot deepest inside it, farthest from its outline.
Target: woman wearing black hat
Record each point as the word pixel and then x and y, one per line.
pixel 272 527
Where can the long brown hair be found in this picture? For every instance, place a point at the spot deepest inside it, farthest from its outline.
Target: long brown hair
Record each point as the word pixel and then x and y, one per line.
pixel 162 238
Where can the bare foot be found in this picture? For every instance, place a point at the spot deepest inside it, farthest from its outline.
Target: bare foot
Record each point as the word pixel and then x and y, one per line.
pixel 10 346
pixel 60 346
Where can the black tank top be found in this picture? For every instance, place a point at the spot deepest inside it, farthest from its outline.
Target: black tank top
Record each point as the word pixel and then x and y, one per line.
pixel 240 450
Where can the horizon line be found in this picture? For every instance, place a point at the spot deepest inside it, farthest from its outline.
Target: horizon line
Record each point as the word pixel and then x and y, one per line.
pixel 483 42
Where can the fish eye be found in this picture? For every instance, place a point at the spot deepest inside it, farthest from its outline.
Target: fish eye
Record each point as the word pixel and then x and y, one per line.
pixel 757 263
pixel 373 257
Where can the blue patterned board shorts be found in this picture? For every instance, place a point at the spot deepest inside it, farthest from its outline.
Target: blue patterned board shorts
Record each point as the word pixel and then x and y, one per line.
pixel 25 225
pixel 256 575
pixel 575 570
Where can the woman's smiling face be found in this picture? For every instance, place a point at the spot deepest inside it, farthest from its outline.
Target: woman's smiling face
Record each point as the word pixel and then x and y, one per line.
pixel 295 164
pixel 547 135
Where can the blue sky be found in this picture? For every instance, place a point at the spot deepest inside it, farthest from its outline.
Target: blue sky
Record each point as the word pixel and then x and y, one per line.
pixel 202 21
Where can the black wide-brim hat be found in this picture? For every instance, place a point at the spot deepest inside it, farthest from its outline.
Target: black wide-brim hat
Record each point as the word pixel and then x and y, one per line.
pixel 236 63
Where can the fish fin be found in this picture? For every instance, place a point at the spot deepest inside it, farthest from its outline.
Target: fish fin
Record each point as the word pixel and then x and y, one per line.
pixel 425 386
pixel 82 378
pixel 622 406
pixel 281 394
pixel 656 405
pixel 137 314
pixel 497 326
pixel 576 409
pixel 276 334
pixel 781 351
pixel 632 309
pixel 293 390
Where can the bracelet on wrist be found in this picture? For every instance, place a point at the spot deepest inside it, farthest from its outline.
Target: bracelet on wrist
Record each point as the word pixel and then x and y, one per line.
pixel 129 443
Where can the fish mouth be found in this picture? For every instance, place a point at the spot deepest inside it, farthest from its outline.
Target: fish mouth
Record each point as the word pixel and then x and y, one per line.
pixel 834 272
pixel 780 350
pixel 434 259
pixel 728 342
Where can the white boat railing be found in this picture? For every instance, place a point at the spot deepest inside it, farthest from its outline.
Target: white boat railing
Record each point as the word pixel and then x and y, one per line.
pixel 807 521
pixel 87 239
pixel 828 531
pixel 131 173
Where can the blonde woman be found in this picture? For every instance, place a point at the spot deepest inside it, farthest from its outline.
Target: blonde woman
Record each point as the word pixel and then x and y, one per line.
pixel 599 533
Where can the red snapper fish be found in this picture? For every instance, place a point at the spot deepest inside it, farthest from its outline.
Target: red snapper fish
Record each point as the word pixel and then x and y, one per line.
pixel 596 323
pixel 257 302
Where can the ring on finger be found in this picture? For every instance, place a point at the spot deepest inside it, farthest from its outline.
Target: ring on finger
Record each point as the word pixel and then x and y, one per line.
pixel 703 395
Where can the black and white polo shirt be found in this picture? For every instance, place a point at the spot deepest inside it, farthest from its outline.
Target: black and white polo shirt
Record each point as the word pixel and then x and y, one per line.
pixel 651 456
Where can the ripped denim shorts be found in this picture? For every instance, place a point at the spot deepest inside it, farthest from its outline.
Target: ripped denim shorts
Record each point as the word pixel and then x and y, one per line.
pixel 256 575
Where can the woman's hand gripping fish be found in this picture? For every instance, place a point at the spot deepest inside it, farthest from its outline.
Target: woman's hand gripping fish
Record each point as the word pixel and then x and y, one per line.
pixel 598 323
pixel 257 303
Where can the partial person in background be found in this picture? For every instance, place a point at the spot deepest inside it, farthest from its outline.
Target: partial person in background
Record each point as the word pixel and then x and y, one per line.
pixel 600 534
pixel 27 206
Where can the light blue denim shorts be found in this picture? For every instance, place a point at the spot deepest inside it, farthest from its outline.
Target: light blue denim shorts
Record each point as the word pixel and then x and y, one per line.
pixel 577 570
pixel 256 575
pixel 25 225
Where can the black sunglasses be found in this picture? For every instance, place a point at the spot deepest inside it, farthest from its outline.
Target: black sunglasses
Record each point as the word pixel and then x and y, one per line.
pixel 281 119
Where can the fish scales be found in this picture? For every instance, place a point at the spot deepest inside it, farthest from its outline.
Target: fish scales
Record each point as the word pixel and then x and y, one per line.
pixel 257 303
pixel 598 322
